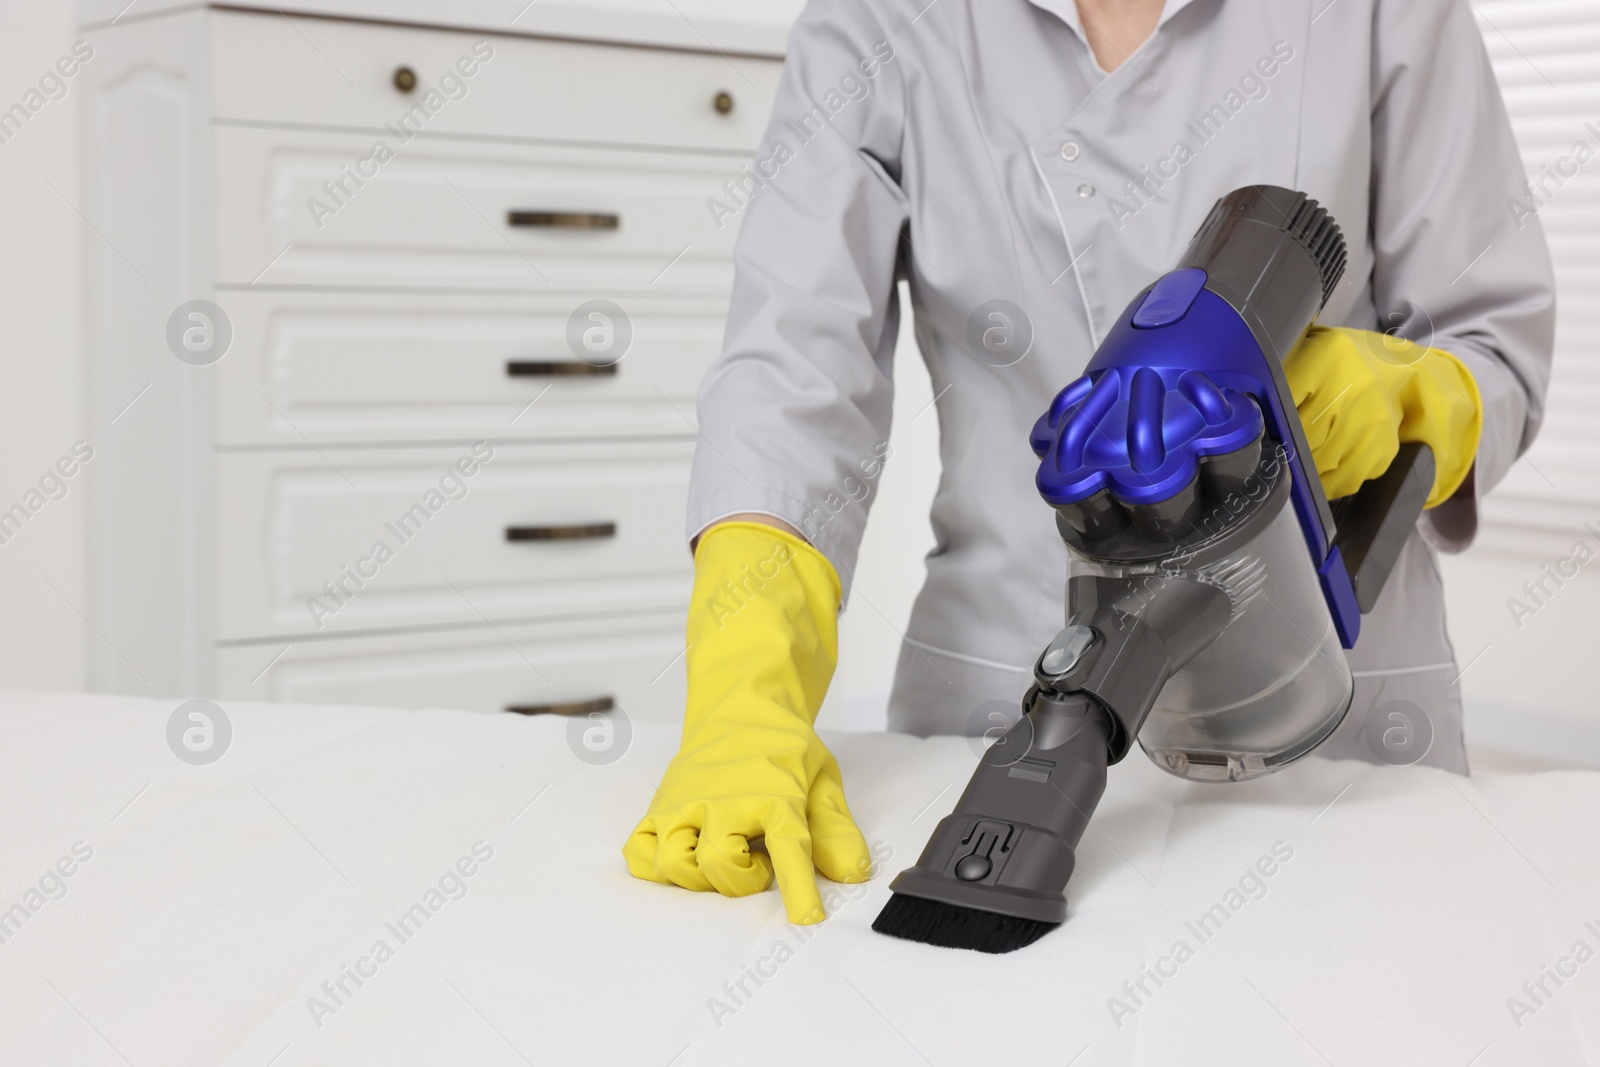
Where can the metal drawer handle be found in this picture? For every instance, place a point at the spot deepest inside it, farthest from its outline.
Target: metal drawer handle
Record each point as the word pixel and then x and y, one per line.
pixel 565 368
pixel 590 531
pixel 575 707
pixel 564 220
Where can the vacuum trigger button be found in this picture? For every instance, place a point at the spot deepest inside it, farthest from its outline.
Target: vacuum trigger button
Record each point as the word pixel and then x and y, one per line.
pixel 973 868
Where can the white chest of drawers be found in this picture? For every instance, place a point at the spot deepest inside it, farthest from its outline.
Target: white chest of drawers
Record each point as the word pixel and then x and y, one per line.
pixel 419 474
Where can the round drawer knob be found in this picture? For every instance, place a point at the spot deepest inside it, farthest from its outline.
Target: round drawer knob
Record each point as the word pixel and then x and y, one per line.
pixel 722 102
pixel 405 79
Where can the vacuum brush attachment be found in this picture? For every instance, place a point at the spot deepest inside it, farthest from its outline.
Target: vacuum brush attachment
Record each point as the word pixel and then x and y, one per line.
pixel 934 922
pixel 988 881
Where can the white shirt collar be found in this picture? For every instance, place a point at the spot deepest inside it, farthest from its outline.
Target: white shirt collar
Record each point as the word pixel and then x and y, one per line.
pixel 1067 11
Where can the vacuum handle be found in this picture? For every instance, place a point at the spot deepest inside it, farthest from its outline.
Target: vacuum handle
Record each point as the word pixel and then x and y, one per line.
pixel 1375 520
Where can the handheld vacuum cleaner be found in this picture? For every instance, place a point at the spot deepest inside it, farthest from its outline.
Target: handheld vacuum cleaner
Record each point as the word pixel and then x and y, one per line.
pixel 1213 586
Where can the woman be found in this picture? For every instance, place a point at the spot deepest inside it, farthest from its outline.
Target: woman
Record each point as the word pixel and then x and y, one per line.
pixel 1028 166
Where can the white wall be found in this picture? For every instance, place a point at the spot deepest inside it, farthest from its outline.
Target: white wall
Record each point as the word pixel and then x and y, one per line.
pixel 42 638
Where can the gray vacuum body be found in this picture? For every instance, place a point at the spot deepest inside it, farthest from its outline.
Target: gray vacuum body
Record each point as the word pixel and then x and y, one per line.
pixel 1204 559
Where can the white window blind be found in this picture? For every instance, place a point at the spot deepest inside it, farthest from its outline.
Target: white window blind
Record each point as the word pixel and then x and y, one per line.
pixel 1546 55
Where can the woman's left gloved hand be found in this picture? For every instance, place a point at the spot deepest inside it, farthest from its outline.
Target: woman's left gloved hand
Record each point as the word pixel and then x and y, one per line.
pixel 1362 394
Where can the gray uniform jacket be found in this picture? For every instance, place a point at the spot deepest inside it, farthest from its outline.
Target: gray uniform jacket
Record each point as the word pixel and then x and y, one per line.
pixel 976 149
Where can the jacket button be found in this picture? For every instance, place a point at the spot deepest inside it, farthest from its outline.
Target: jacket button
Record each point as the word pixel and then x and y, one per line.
pixel 1070 151
pixel 1086 190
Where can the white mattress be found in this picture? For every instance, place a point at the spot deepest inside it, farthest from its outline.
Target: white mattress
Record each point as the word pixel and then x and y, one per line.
pixel 216 900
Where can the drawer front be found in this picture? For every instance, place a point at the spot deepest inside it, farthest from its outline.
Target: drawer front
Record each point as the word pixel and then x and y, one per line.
pixel 323 72
pixel 635 662
pixel 336 541
pixel 338 368
pixel 448 215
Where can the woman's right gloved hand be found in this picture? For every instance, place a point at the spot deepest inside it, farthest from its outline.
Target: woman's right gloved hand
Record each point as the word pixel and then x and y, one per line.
pixel 763 642
pixel 1362 394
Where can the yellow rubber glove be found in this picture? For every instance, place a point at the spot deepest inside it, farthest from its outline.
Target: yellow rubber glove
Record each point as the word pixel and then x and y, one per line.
pixel 763 642
pixel 1362 394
